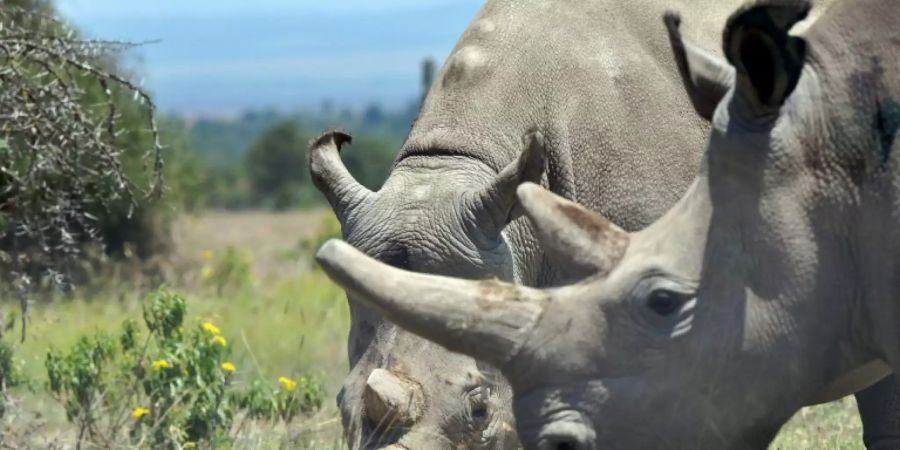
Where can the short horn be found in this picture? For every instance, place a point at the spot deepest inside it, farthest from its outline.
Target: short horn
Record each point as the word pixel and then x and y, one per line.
pixel 392 401
pixel 488 320
pixel 332 178
pixel 493 204
pixel 574 237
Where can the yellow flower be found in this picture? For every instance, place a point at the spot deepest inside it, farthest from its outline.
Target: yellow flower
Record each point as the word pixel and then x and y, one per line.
pixel 210 328
pixel 139 412
pixel 160 364
pixel 207 255
pixel 287 383
pixel 206 273
pixel 219 340
pixel 228 367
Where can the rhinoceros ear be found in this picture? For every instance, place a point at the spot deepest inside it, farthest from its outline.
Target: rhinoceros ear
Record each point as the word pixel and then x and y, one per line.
pixel 493 205
pixel 767 59
pixel 572 236
pixel 707 78
pixel 332 178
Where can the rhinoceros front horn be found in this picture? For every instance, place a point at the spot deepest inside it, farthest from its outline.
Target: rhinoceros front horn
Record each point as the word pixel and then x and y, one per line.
pixel 331 177
pixel 392 401
pixel 488 320
pixel 493 205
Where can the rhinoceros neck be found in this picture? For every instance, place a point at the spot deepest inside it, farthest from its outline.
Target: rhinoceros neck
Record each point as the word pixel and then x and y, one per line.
pixel 856 48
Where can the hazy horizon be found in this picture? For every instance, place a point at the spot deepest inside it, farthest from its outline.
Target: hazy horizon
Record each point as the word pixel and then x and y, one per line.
pixel 229 56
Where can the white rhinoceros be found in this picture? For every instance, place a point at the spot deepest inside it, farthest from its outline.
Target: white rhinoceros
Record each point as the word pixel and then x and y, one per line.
pixel 770 285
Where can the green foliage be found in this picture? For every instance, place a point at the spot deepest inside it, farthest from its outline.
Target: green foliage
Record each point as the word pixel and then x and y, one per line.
pixel 293 397
pixel 329 228
pixel 11 375
pixel 225 142
pixel 82 153
pixel 269 168
pixel 276 165
pixel 229 268
pixel 173 388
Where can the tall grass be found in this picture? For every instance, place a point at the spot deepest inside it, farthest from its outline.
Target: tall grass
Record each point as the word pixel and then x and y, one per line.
pixel 287 320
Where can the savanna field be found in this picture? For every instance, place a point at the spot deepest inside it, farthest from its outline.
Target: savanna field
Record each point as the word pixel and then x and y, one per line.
pixel 251 276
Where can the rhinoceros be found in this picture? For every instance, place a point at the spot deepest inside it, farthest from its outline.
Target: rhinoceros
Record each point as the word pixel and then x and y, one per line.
pixel 770 285
pixel 589 79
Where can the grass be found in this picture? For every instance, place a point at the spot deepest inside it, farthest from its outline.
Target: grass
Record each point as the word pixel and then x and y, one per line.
pixel 832 426
pixel 290 320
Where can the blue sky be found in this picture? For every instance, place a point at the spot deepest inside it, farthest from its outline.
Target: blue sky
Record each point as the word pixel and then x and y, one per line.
pixel 220 57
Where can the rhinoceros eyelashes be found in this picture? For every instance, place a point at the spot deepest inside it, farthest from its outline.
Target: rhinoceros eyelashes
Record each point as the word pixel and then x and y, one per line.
pixel 332 178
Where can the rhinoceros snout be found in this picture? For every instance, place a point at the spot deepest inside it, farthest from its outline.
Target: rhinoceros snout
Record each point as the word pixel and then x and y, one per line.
pixel 392 401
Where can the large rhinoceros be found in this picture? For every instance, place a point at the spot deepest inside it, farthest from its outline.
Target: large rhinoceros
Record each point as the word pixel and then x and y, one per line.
pixel 595 79
pixel 770 285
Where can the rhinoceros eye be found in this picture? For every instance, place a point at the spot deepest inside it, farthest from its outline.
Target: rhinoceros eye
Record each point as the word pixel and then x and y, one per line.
pixel 665 302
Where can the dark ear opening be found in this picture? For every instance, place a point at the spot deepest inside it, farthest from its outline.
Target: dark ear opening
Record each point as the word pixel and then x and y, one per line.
pixel 767 59
pixel 757 56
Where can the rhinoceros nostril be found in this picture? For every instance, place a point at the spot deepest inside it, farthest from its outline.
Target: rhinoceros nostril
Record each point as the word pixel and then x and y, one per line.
pixel 391 401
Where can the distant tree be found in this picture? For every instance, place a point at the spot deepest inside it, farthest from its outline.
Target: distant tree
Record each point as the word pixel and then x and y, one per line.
pixel 373 115
pixel 370 157
pixel 428 70
pixel 276 165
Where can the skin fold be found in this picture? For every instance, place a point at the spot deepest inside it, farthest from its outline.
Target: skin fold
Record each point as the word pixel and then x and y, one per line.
pixel 585 81
pixel 770 285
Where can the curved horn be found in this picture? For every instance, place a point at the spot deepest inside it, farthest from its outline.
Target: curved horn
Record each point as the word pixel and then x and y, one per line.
pixel 493 204
pixel 392 401
pixel 487 320
pixel 331 176
pixel 574 237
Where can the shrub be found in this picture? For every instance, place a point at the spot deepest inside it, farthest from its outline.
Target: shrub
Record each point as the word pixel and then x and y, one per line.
pixel 166 385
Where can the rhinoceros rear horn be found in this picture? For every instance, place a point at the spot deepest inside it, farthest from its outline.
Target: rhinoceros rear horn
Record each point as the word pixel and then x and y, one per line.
pixel 331 177
pixel 392 401
pixel 488 320
pixel 574 237
pixel 493 205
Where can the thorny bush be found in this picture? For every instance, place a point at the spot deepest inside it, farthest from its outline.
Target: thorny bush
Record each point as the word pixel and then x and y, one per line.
pixel 62 142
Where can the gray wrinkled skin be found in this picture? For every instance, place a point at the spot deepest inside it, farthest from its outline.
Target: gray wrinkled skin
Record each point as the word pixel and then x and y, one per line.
pixel 770 285
pixel 593 78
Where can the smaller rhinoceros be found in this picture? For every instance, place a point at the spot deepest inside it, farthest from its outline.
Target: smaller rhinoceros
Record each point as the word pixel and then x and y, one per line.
pixel 772 284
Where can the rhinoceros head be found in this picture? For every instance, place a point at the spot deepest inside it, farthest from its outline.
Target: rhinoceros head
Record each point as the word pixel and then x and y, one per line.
pixel 439 215
pixel 712 326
